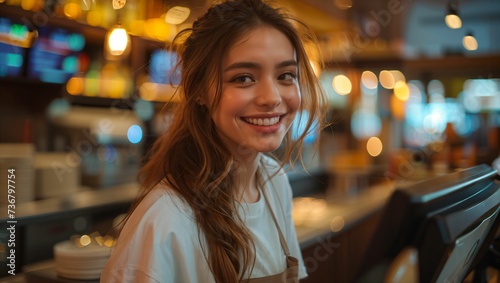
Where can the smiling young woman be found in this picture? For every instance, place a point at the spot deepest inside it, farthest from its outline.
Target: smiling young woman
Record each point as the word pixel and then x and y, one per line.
pixel 215 205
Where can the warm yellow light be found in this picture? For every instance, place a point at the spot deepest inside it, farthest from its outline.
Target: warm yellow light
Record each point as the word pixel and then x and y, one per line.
pixel 374 146
pixel 118 41
pixel 74 86
pixel 31 5
pixel 85 240
pixel 147 91
pixel 453 21
pixel 72 10
pixel 115 87
pixel 94 18
pixel 91 83
pixel 386 79
pixel 137 27
pixel 398 76
pixel 158 29
pixel 397 107
pixel 109 241
pixel 470 42
pixel 342 85
pixel 337 223
pixel 401 90
pixel 369 80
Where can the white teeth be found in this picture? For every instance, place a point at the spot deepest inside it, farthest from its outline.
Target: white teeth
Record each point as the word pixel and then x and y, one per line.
pixel 263 122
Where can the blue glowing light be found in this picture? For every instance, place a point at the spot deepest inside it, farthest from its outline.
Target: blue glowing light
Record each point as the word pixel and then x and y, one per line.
pixel 299 127
pixel 365 124
pixel 76 42
pixel 134 134
pixel 70 64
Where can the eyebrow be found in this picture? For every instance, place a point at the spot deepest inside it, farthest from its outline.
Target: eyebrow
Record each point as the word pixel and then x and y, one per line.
pixel 252 65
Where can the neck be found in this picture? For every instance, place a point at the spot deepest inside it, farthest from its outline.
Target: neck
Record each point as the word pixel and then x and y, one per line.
pixel 246 188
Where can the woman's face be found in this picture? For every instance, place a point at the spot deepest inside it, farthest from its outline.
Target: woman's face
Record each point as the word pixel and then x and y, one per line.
pixel 260 92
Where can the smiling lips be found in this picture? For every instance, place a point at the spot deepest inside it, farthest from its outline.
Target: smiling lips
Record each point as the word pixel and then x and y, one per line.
pixel 263 121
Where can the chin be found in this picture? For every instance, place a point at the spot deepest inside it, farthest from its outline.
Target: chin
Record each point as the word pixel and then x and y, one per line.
pixel 268 148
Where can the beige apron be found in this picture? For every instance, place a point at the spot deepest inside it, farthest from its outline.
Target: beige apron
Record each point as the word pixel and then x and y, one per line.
pixel 291 273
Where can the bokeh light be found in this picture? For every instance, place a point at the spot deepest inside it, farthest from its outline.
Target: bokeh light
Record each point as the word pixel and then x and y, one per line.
pixel 369 80
pixel 94 18
pixel 337 223
pixel 374 146
pixel 398 76
pixel 386 79
pixel 85 240
pixel 72 10
pixel 397 108
pixel 75 86
pixel 342 85
pixel 134 134
pixel 401 90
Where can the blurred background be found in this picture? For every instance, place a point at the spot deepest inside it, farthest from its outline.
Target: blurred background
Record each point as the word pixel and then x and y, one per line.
pixel 414 90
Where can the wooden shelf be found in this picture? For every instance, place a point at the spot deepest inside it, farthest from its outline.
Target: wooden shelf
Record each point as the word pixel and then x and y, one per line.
pixel 485 66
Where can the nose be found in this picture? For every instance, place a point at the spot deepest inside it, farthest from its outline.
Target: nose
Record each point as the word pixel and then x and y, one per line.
pixel 268 94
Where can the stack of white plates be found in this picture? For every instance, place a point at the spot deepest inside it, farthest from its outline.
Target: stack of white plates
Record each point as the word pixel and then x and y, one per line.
pixel 55 175
pixel 82 263
pixel 18 159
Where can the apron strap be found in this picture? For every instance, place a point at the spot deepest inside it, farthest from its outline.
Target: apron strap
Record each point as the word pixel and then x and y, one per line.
pixel 282 238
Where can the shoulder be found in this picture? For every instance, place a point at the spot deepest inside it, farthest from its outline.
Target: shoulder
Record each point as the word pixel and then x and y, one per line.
pixel 159 232
pixel 161 216
pixel 162 207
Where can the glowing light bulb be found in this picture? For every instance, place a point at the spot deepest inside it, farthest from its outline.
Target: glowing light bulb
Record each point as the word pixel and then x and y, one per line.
pixel 118 41
pixel 470 42
pixel 453 21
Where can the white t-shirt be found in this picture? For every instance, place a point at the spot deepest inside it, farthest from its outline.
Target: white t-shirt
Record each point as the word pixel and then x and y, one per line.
pixel 160 242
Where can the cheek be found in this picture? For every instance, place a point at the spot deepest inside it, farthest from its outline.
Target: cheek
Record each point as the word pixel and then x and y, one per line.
pixel 295 100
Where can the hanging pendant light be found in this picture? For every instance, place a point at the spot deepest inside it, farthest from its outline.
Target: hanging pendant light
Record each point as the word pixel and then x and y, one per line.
pixel 452 19
pixel 469 42
pixel 117 41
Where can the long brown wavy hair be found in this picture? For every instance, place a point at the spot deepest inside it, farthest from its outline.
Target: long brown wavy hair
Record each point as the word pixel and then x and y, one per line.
pixel 191 159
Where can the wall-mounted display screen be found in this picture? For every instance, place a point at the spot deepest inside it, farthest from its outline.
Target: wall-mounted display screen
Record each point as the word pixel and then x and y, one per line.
pixel 54 58
pixel 13 38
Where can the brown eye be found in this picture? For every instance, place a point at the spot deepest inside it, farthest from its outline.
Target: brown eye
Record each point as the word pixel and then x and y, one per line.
pixel 287 77
pixel 242 79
